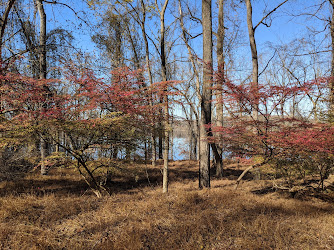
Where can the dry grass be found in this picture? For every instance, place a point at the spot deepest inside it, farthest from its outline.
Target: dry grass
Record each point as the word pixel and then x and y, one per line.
pixel 56 212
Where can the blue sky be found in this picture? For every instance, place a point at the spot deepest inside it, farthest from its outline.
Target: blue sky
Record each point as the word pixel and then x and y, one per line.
pixel 284 27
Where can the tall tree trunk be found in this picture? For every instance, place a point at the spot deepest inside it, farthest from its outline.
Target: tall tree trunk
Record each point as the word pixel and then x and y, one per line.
pixel 118 50
pixel 3 24
pixel 154 149
pixel 43 155
pixel 221 72
pixel 42 40
pixel 171 139
pixel 57 144
pixel 160 134
pixel 165 97
pixel 42 71
pixel 255 63
pixel 147 58
pixel 146 152
pixel 197 77
pixel 331 82
pixel 204 166
pixel 193 141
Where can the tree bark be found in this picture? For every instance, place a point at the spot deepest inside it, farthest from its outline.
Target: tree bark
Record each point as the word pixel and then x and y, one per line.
pixel 43 155
pixel 160 135
pixel 196 136
pixel 331 82
pixel 171 139
pixel 219 97
pixel 42 72
pixel 118 50
pixel 147 58
pixel 255 63
pixel 204 166
pixel 42 40
pixel 165 97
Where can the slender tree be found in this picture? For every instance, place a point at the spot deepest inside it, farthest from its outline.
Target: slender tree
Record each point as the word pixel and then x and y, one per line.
pixel 221 72
pixel 255 62
pixel 193 110
pixel 142 23
pixel 204 165
pixel 165 97
pixel 331 82
pixel 42 73
pixel 254 52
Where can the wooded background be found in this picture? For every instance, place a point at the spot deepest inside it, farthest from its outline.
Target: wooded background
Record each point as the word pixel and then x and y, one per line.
pixel 91 81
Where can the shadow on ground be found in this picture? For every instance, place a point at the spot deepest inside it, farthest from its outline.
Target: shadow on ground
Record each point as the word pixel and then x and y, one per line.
pixel 67 182
pixel 42 187
pixel 301 192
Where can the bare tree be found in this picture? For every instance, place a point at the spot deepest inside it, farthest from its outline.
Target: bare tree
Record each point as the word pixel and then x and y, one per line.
pixel 42 71
pixel 142 23
pixel 165 98
pixel 252 42
pixel 331 82
pixel 254 52
pixel 204 165
pixel 221 72
pixel 3 23
pixel 195 131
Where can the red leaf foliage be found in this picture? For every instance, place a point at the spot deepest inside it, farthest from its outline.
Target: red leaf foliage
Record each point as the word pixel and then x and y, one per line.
pixel 81 97
pixel 272 134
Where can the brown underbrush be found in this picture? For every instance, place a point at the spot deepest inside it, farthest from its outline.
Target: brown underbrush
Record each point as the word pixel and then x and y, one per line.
pixel 58 212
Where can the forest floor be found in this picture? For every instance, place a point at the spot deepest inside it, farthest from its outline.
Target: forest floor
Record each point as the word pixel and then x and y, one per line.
pixel 58 212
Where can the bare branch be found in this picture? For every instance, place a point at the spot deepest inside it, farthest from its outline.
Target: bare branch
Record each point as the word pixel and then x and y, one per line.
pixel 248 169
pixel 269 13
pixel 312 53
pixel 66 5
pixel 268 63
pixel 4 20
pixel 198 20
